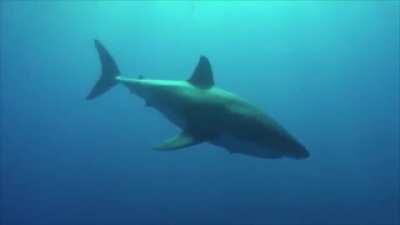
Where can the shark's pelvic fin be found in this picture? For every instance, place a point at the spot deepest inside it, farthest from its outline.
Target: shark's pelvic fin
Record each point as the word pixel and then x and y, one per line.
pixel 182 140
pixel 108 73
pixel 202 76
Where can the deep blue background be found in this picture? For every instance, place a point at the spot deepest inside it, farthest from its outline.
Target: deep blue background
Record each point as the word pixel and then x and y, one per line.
pixel 327 71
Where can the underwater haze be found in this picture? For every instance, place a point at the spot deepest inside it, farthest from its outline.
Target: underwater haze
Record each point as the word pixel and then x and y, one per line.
pixel 328 71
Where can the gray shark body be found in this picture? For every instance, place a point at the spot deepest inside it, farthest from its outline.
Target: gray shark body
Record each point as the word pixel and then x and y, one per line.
pixel 205 113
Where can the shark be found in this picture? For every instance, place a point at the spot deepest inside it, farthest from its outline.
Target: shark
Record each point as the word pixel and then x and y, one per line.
pixel 203 112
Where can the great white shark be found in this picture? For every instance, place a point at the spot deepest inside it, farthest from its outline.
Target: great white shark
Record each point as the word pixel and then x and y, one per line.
pixel 204 112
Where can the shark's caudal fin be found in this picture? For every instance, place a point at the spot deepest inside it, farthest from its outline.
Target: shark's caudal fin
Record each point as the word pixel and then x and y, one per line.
pixel 202 76
pixel 108 73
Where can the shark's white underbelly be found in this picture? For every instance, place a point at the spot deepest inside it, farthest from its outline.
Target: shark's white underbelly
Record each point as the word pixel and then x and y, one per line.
pixel 236 145
pixel 173 116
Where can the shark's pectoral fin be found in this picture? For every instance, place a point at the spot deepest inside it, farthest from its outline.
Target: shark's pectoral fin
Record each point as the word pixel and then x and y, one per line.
pixel 182 140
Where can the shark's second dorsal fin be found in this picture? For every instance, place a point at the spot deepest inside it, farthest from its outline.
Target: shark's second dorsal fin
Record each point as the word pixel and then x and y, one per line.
pixel 202 76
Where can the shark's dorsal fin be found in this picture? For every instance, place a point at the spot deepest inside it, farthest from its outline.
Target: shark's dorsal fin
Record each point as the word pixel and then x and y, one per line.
pixel 202 76
pixel 182 140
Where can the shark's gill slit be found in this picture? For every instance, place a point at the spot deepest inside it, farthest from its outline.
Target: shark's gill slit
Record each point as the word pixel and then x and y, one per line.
pixel 204 112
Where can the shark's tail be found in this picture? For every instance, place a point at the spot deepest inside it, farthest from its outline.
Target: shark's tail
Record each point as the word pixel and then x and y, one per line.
pixel 108 73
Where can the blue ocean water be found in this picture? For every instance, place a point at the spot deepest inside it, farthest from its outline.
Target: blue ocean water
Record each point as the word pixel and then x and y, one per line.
pixel 328 71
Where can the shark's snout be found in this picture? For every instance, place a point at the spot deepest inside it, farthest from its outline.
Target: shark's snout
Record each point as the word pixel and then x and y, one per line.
pixel 204 112
pixel 298 152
